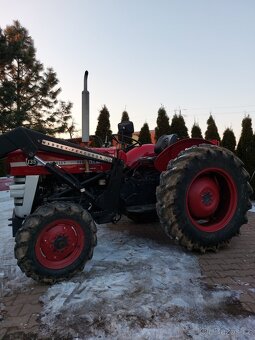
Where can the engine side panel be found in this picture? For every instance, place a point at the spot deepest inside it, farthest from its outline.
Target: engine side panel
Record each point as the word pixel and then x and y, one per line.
pixel 20 165
pixel 145 150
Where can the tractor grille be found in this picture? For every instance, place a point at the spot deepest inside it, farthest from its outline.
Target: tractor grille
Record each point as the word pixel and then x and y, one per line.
pixel 23 191
pixel 17 190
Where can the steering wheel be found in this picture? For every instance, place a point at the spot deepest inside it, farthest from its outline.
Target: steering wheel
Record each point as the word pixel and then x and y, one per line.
pixel 123 142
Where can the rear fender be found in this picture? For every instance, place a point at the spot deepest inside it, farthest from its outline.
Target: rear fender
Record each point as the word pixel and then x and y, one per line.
pixel 173 150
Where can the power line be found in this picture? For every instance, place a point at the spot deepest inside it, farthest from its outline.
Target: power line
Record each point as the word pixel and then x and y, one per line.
pixel 219 107
pixel 224 113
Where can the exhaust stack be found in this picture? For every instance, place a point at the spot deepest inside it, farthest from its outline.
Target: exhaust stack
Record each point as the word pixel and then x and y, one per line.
pixel 85 109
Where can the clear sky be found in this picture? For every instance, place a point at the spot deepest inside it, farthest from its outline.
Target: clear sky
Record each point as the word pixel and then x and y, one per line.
pixel 194 55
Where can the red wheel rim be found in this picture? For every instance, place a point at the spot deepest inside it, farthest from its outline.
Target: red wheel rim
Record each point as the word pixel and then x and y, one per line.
pixel 59 244
pixel 211 200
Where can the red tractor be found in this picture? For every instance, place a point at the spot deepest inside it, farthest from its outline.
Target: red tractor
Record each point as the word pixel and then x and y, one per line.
pixel 199 191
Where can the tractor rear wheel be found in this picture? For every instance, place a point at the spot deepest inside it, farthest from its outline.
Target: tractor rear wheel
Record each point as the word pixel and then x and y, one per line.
pixel 203 197
pixel 55 242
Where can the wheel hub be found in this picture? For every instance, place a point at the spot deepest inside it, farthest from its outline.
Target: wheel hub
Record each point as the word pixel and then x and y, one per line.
pixel 60 242
pixel 207 198
pixel 203 197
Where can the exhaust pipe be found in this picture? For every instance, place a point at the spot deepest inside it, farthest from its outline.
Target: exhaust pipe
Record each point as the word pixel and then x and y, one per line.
pixel 85 109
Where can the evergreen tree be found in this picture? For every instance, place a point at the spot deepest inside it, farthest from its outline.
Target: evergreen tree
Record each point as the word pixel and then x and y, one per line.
pixel 163 127
pixel 246 145
pixel 28 92
pixel 144 135
pixel 196 131
pixel 178 126
pixel 125 117
pixel 229 140
pixel 211 132
pixel 103 131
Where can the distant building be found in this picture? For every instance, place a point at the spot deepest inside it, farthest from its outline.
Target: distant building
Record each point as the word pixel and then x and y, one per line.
pixel 135 136
pixel 152 132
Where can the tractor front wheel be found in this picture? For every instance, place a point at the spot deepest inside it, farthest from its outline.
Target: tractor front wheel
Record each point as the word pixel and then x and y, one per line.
pixel 55 242
pixel 203 197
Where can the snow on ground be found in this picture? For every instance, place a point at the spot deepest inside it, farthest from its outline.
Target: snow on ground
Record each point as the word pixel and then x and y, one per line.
pixel 8 266
pixel 140 289
pixel 139 285
pixel 253 207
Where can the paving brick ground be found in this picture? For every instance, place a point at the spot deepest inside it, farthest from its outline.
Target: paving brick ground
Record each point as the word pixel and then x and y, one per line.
pixel 21 312
pixel 234 267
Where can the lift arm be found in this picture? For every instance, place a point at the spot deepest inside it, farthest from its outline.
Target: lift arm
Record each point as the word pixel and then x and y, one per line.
pixel 30 142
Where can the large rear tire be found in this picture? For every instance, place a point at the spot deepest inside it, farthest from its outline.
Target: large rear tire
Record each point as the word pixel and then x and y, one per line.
pixel 203 197
pixel 55 242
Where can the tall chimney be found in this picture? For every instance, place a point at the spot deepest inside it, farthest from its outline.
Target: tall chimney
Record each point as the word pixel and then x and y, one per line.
pixel 85 109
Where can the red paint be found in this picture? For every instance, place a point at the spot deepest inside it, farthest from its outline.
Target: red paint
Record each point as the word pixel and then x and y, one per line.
pixel 223 191
pixel 81 167
pixel 133 155
pixel 59 244
pixel 173 151
pixel 5 183
pixel 203 197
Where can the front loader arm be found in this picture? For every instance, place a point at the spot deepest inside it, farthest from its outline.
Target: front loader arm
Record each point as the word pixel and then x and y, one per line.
pixel 30 142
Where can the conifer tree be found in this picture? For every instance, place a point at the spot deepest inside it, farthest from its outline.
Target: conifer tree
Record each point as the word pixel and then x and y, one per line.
pixel 246 145
pixel 163 127
pixel 211 132
pixel 196 131
pixel 178 126
pixel 125 117
pixel 103 131
pixel 28 92
pixel 144 135
pixel 229 140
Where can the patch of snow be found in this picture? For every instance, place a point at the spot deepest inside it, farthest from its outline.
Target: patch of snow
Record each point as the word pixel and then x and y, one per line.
pixel 13 278
pixel 135 287
pixel 253 207
pixel 140 289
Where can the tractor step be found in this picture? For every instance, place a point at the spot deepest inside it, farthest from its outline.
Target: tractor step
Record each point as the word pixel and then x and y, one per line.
pixel 141 208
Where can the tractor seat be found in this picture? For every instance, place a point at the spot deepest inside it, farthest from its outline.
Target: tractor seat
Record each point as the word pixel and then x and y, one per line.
pixel 164 141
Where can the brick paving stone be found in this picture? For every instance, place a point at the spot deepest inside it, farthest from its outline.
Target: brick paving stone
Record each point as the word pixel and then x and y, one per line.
pixel 3 331
pixel 224 281
pixel 28 298
pixel 210 273
pixel 249 307
pixel 21 313
pixel 229 272
pixel 15 321
pixel 13 310
pixel 30 309
pixel 33 321
pixel 39 289
pixel 10 299
pixel 234 266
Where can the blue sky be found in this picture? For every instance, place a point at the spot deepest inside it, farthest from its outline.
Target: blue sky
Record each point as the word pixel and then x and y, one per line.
pixel 197 56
